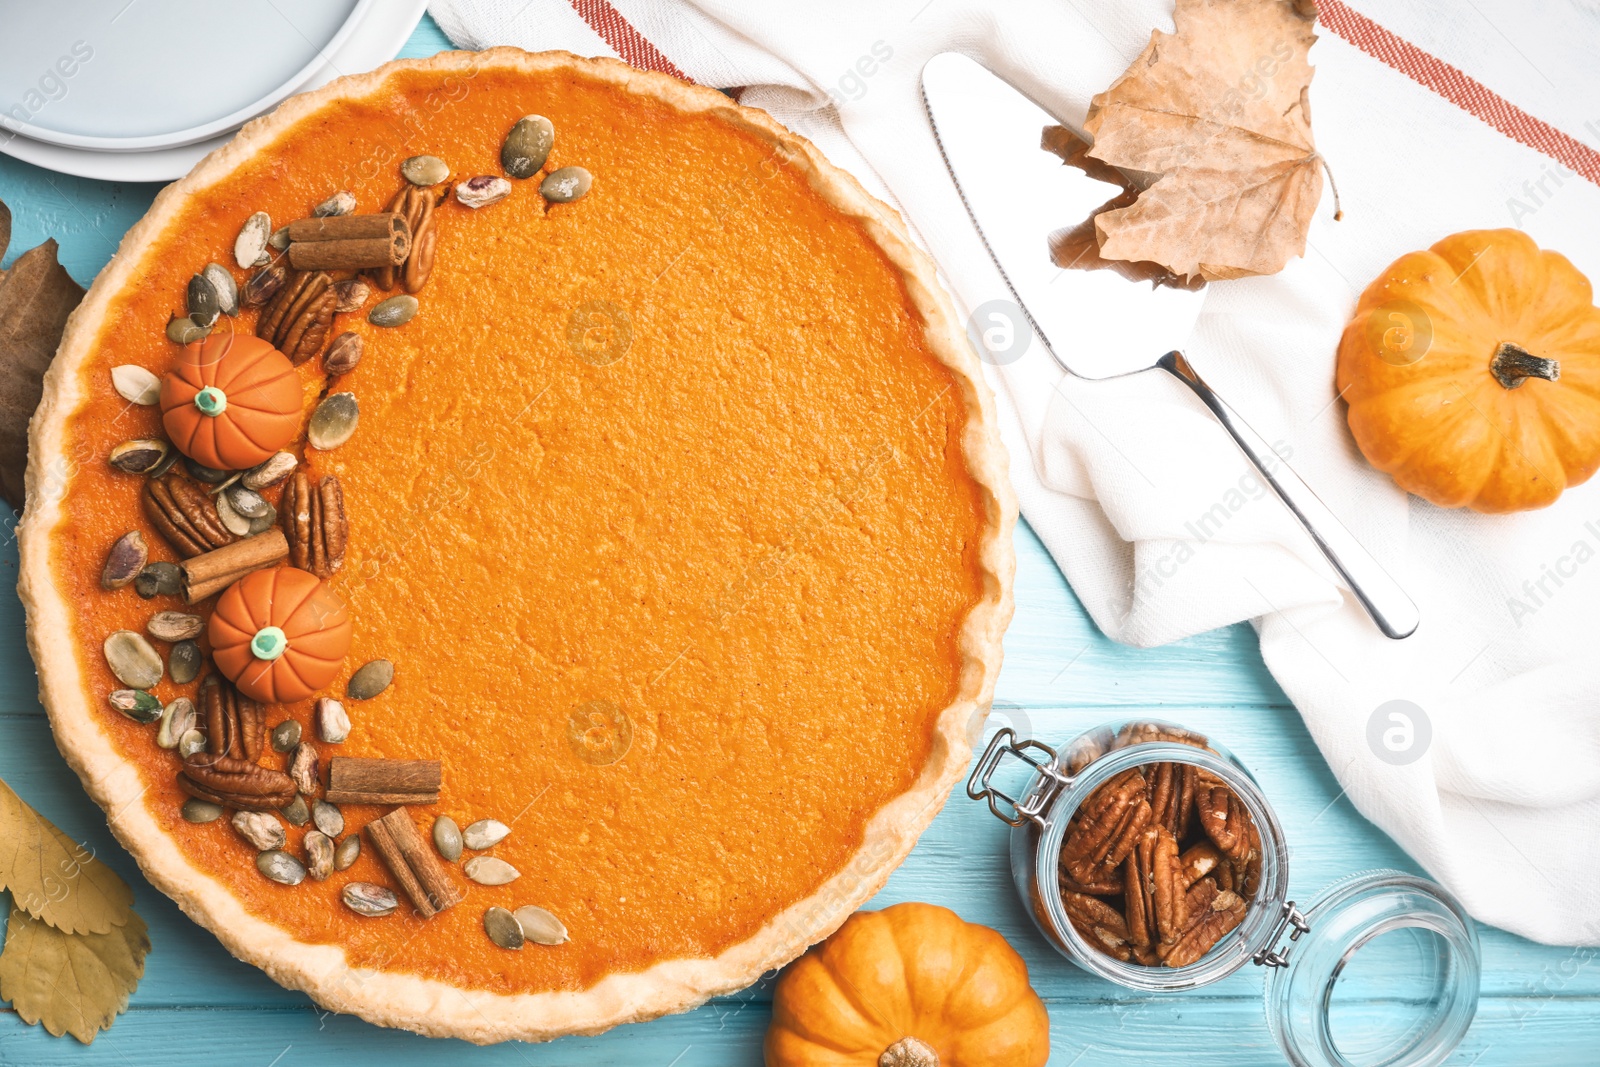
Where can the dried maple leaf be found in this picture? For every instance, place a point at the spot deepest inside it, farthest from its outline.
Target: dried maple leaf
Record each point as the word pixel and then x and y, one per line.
pixel 36 296
pixel 73 983
pixel 54 878
pixel 1218 112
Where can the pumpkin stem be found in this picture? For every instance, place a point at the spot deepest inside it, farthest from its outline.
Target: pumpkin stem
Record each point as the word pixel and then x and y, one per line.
pixel 1511 366
pixel 211 401
pixel 269 643
pixel 909 1052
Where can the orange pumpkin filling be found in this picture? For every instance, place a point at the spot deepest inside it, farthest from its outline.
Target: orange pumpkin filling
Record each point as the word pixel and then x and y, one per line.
pixel 658 505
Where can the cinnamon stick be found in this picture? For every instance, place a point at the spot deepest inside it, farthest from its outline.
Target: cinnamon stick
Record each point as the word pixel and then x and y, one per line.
pixel 353 780
pixel 349 242
pixel 398 843
pixel 213 571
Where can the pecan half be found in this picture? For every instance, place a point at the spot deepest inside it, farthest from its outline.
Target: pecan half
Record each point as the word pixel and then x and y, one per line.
pixel 1099 923
pixel 1223 818
pixel 1199 861
pixel 417 205
pixel 1139 889
pixel 236 726
pixel 298 319
pixel 1169 906
pixel 1137 733
pixel 1216 922
pixel 235 783
pixel 185 515
pixel 1172 795
pixel 315 523
pixel 1101 822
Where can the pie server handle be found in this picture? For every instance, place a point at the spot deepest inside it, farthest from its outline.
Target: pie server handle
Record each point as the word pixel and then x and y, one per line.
pixel 1391 609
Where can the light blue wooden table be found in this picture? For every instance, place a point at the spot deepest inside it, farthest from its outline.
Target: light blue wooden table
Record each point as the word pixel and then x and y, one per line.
pixel 197 1005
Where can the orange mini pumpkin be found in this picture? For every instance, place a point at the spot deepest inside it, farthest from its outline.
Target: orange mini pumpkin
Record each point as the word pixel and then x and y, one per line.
pixel 913 985
pixel 1472 371
pixel 231 401
pixel 279 635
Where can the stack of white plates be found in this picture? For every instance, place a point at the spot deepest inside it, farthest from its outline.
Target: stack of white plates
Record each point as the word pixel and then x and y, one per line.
pixel 139 90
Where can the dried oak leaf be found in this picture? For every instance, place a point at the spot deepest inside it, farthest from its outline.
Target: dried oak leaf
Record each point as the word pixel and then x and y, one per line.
pixel 73 983
pixel 36 296
pixel 55 879
pixel 1218 112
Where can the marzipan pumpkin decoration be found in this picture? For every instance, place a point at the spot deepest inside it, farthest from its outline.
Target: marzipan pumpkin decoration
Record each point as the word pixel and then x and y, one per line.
pixel 231 401
pixel 279 635
pixel 910 986
pixel 1472 372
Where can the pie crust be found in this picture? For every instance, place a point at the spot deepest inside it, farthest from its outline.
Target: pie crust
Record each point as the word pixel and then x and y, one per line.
pixel 407 1000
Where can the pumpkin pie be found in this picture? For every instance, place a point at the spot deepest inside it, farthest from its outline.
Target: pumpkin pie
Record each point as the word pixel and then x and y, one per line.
pixel 639 516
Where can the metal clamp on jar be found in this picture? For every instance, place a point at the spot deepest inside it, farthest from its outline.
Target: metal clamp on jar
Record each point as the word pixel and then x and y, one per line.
pixel 1308 951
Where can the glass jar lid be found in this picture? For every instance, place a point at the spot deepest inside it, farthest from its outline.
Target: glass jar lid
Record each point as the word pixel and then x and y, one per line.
pixel 1386 975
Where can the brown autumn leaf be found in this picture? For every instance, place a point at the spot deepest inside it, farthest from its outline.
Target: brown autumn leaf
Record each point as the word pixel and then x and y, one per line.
pixel 73 983
pixel 54 878
pixel 1218 112
pixel 36 296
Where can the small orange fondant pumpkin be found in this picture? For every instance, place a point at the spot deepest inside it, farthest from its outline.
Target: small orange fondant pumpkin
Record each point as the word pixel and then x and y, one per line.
pixel 231 401
pixel 1472 371
pixel 279 635
pixel 911 985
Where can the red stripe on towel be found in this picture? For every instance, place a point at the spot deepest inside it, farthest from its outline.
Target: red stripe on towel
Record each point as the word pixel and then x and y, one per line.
pixel 626 41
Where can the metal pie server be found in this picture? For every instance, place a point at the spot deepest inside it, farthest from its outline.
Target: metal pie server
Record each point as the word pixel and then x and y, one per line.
pixel 1106 325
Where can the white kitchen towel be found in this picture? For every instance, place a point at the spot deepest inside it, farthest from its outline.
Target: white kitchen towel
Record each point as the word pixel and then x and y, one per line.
pixel 1488 772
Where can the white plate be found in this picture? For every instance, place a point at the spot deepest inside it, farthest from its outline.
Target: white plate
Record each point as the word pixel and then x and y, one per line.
pixel 370 34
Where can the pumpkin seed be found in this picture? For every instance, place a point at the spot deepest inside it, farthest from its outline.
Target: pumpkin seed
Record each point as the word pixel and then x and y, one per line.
pixel 236 523
pixel 125 561
pixel 201 811
pixel 191 743
pixel 164 465
pixel 343 354
pixel 141 456
pixel 395 311
pixel 281 867
pixel 303 768
pixel 265 522
pixel 340 203
pixel 174 626
pixel 502 928
pixel 334 421
pixel 319 854
pixel 159 579
pixel 350 294
pixel 177 719
pixel 132 660
pixel 527 146
pixel 264 284
pixel 345 856
pixel 373 901
pixel 370 680
pixel 279 241
pixel 136 385
pixel 203 301
pixel 183 330
pixel 482 191
pixel 286 735
pixel 183 662
pixel 447 838
pixel 565 185
pixel 333 722
pixel 491 870
pixel 328 817
pixel 247 502
pixel 251 244
pixel 485 833
pixel 202 473
pixel 273 470
pixel 221 280
pixel 539 926
pixel 297 811
pixel 261 828
pixel 424 170
pixel 137 705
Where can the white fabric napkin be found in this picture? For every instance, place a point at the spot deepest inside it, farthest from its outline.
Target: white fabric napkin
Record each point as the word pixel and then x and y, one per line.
pixel 1157 521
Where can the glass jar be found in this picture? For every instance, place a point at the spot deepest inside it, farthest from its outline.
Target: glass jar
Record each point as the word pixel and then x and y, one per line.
pixel 1428 943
